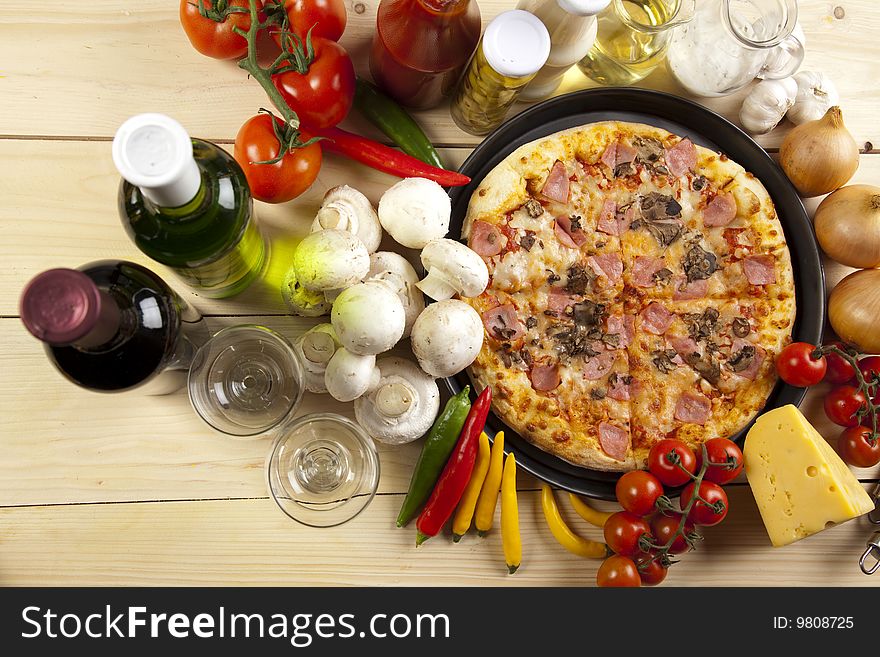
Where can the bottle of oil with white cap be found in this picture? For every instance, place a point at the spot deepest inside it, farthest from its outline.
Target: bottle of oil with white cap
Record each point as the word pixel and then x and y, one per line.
pixel 572 26
pixel 513 49
pixel 186 204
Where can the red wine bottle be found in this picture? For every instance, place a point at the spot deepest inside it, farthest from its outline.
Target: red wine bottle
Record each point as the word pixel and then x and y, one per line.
pixel 113 325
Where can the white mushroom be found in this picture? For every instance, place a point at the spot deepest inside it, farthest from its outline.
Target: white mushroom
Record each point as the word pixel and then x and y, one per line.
pixel 395 270
pixel 447 337
pixel 300 301
pixel 415 211
pixel 452 269
pixel 402 407
pixel 348 375
pixel 315 348
pixel 345 208
pixel 329 260
pixel 368 318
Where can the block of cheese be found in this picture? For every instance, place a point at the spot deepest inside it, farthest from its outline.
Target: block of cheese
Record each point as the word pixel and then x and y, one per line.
pixel 800 483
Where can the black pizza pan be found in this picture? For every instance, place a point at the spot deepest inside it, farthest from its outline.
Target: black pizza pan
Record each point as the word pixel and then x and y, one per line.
pixel 704 127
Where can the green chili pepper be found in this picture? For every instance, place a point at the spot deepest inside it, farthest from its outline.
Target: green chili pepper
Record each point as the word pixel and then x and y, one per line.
pixel 394 121
pixel 439 444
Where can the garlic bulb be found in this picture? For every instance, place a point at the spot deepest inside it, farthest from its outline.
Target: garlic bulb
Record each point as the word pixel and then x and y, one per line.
pixel 816 94
pixel 764 107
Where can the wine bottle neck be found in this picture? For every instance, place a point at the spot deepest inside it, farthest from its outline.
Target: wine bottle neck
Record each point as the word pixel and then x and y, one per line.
pixel 106 326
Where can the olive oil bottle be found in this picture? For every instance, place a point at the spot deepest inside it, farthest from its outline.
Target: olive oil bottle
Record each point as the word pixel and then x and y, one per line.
pixel 186 203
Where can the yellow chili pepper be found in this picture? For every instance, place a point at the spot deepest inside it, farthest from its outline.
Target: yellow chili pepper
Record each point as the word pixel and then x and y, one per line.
pixel 562 533
pixel 461 522
pixel 485 513
pixel 588 513
pixel 510 538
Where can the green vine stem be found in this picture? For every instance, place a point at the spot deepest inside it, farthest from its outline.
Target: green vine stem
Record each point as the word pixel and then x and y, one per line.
pixel 867 388
pixel 219 10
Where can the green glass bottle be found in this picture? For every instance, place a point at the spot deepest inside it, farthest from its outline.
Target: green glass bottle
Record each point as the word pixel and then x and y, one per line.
pixel 186 203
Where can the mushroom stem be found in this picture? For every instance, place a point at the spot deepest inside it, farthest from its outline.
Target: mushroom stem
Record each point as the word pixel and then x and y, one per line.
pixel 318 347
pixel 329 216
pixel 436 285
pixel 394 399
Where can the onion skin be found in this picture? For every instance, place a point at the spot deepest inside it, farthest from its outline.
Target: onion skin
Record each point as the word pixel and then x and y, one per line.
pixel 819 156
pixel 848 225
pixel 854 310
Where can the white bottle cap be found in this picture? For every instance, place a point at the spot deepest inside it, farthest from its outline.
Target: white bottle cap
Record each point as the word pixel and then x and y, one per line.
pixel 516 44
pixel 583 7
pixel 154 152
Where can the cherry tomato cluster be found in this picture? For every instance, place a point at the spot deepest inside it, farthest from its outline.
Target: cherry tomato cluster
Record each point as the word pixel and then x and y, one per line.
pixel 651 529
pixel 853 400
pixel 312 75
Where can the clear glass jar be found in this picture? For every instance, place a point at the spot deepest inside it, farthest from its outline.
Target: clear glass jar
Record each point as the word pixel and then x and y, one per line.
pixel 513 49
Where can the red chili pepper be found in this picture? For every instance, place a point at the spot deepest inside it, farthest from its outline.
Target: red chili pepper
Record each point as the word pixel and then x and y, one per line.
pixel 387 159
pixel 457 472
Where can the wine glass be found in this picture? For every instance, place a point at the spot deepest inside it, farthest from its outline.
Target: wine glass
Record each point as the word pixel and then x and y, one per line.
pixel 323 469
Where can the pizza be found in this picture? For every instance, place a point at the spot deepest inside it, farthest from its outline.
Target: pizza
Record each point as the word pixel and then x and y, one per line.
pixel 640 288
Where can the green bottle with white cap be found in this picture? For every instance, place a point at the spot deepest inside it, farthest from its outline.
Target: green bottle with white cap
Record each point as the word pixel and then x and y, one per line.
pixel 186 204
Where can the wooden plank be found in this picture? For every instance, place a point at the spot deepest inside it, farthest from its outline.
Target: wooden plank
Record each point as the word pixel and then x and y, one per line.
pixel 250 542
pixel 110 60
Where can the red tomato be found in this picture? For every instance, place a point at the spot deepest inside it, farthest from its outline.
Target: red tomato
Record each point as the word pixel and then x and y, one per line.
pixel 796 366
pixel 856 447
pixel 637 491
pixel 841 404
pixel 326 19
pixel 702 512
pixel 322 96
pixel 212 38
pixel 839 370
pixel 651 571
pixel 617 571
pixel 869 366
pixel 623 531
pixel 721 450
pixel 665 527
pixel 282 180
pixel 666 467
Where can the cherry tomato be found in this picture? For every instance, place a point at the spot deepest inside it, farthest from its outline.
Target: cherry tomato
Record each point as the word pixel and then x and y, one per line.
pixel 869 366
pixel 796 366
pixel 721 450
pixel 668 471
pixel 702 512
pixel 212 38
pixel 664 528
pixel 326 18
pixel 282 180
pixel 839 370
pixel 623 531
pixel 856 448
pixel 637 491
pixel 322 96
pixel 841 404
pixel 651 571
pixel 617 571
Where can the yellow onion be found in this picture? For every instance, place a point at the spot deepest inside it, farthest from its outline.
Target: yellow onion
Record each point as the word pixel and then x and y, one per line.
pixel 848 225
pixel 819 156
pixel 854 310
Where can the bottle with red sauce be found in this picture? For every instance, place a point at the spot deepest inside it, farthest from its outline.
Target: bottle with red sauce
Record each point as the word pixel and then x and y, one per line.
pixel 421 47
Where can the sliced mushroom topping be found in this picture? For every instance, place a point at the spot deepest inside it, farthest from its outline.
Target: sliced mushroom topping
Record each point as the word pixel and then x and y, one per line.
pixel 598 393
pixel 660 216
pixel 624 169
pixel 527 241
pixel 588 313
pixel 611 339
pixel 533 208
pixel 574 341
pixel 662 360
pixel 648 149
pixel 698 183
pixel 699 263
pixel 531 322
pixel 705 366
pixel 742 359
pixel 553 277
pixel 701 325
pixel 662 276
pixel 740 327
pixel 579 280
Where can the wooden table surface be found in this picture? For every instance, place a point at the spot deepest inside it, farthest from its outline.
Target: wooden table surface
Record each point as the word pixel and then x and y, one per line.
pixel 130 489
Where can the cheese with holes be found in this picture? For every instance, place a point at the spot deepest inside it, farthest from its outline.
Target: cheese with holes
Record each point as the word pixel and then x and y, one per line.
pixel 800 483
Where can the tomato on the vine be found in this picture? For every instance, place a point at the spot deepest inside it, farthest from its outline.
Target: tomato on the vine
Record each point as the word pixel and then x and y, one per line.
pixel 668 468
pixel 856 447
pixel 216 38
pixel 651 571
pixel 839 370
pixel 797 367
pixel 637 491
pixel 721 450
pixel 665 527
pixel 618 571
pixel 325 18
pixel 842 403
pixel 869 366
pixel 704 511
pixel 623 531
pixel 323 94
pixel 279 181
